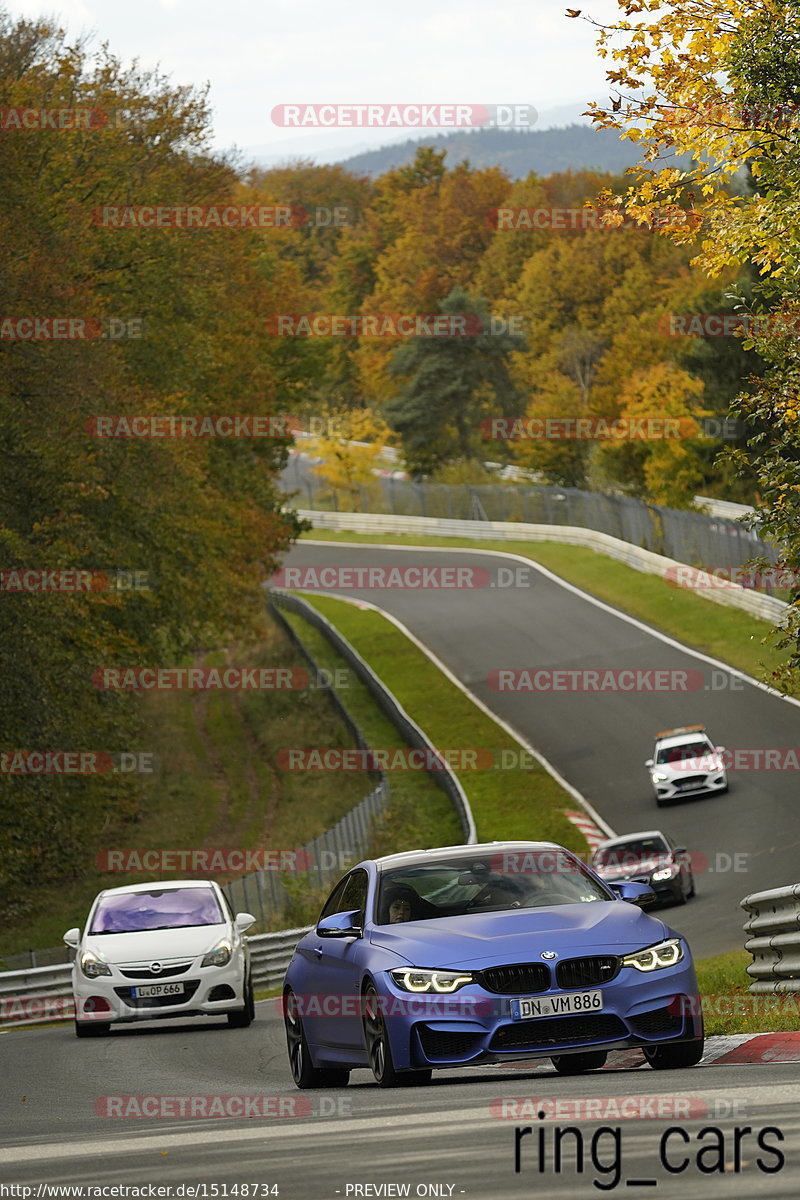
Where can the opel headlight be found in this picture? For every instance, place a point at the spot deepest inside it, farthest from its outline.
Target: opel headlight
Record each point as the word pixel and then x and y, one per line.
pixel 660 777
pixel 654 958
pixel 219 956
pixel 415 979
pixel 92 966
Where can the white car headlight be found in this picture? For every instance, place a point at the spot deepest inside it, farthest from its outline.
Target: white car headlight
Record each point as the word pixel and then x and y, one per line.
pixel 92 966
pixel 665 873
pixel 419 979
pixel 660 777
pixel 220 956
pixel 654 958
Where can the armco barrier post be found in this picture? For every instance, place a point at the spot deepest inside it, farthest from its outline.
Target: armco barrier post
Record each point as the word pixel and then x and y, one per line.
pixel 774 920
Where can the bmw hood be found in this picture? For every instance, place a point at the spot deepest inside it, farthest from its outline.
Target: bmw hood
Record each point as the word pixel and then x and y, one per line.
pixel 154 945
pixel 491 939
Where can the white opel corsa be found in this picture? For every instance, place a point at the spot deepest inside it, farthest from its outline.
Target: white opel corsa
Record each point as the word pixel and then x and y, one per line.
pixel 156 950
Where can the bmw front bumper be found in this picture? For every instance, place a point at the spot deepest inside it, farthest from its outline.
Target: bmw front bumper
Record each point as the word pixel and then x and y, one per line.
pixel 476 1026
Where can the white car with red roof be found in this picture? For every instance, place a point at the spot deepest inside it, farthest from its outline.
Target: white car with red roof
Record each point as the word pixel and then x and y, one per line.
pixel 686 762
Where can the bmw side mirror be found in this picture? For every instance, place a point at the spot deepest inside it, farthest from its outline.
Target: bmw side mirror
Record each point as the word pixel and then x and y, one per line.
pixel 244 921
pixel 72 937
pixel 635 893
pixel 340 925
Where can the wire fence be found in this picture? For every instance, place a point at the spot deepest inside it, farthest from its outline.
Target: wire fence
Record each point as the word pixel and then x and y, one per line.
pixel 323 860
pixel 690 537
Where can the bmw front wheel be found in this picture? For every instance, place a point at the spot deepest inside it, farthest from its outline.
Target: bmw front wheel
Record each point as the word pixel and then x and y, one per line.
pixel 378 1050
pixel 576 1064
pixel 674 1055
pixel 304 1073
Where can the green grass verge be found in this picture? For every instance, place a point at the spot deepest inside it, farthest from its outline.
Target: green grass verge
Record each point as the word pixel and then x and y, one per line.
pixel 521 801
pixel 728 634
pixel 217 785
pixel 728 1007
pixel 420 813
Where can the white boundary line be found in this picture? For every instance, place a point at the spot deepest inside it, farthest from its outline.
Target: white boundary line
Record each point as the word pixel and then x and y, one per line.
pixel 577 796
pixel 570 587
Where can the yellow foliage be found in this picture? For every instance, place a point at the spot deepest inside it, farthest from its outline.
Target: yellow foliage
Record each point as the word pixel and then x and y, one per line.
pixel 351 448
pixel 675 64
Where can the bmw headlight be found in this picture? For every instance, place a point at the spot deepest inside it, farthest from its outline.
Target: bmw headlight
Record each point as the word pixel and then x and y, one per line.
pixel 416 979
pixel 660 777
pixel 664 873
pixel 654 958
pixel 219 956
pixel 92 966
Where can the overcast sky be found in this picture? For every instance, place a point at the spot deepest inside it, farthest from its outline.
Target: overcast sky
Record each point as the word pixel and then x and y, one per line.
pixel 257 54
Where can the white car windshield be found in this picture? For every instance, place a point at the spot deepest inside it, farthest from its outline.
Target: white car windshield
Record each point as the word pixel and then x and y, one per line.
pixel 633 851
pixel 670 754
pixel 175 908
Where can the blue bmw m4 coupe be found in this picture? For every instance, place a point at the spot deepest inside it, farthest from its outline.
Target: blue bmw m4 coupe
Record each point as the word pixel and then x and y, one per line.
pixel 485 954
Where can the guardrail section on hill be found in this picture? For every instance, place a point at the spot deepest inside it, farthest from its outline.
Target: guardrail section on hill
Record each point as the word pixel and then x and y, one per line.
pixel 757 604
pixel 774 922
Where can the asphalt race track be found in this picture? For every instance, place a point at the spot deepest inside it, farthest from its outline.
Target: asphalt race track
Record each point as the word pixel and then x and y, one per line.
pixel 599 741
pixel 458 1133
pixel 725 1129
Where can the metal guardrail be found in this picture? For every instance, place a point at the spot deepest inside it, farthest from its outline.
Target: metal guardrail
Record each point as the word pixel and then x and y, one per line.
pixel 389 705
pixel 329 855
pixel 732 595
pixel 40 995
pixel 774 923
pixel 332 852
pixel 696 538
pixel 344 843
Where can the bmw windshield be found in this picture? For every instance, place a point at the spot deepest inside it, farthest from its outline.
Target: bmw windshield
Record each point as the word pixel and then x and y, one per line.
pixel 462 885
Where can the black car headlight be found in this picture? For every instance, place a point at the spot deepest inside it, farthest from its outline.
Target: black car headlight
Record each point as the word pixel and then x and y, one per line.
pixel 654 958
pixel 420 979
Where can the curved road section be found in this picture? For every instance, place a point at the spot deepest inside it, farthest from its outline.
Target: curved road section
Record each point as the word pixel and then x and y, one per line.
pixel 199 1110
pixel 589 688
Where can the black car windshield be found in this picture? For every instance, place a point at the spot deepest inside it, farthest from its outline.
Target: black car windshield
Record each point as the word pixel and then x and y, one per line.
pixel 464 885
pixel 670 754
pixel 633 851
pixel 173 908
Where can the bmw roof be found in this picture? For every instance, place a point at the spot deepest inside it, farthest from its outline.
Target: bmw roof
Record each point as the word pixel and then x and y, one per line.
pixel 412 857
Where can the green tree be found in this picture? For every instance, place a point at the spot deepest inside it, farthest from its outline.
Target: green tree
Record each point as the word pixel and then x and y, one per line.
pixel 451 384
pixel 202 518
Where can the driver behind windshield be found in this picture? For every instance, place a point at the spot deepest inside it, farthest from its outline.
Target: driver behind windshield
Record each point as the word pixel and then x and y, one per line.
pixel 398 905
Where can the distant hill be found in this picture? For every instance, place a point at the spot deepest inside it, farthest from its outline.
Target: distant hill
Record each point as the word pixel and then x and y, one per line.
pixel 574 147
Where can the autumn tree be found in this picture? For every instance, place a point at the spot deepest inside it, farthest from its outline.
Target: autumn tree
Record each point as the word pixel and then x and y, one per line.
pixel 351 448
pixel 201 518
pixel 719 81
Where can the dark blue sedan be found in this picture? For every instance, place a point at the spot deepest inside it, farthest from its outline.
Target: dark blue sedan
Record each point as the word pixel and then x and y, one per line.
pixel 485 954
